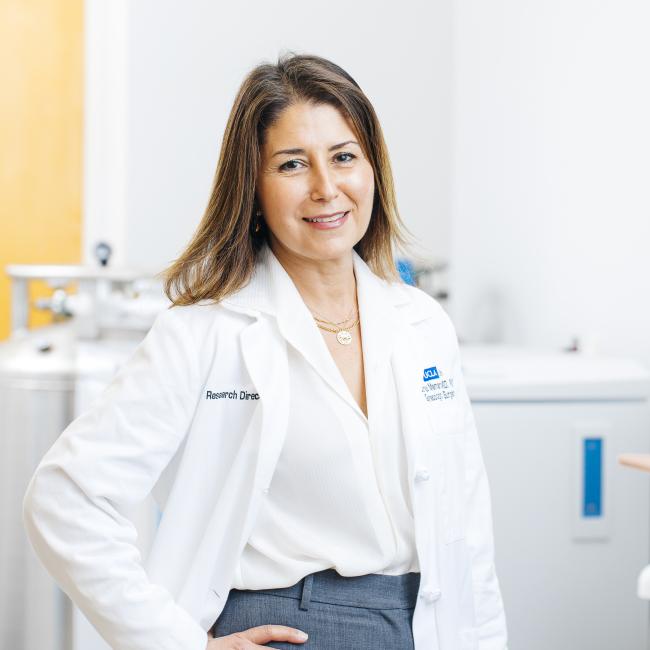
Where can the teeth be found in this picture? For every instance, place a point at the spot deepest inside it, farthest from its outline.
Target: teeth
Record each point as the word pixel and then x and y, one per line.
pixel 326 219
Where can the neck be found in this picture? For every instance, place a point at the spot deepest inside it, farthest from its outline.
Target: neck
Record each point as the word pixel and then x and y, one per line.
pixel 326 286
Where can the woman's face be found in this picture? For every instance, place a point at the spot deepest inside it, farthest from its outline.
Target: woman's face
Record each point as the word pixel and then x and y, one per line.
pixel 325 173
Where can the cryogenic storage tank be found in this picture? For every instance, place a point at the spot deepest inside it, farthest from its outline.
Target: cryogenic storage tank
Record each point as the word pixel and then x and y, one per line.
pixel 36 403
pixel 46 376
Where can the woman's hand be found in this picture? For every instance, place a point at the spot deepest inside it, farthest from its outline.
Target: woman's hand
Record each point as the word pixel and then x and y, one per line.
pixel 250 638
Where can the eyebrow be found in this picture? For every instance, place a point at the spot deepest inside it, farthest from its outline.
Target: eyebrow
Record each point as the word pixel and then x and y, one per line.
pixel 332 148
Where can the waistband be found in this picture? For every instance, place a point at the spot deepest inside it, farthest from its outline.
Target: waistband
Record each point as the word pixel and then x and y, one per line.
pixel 372 591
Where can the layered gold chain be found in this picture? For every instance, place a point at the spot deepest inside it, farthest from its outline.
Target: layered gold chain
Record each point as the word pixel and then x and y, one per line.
pixel 342 331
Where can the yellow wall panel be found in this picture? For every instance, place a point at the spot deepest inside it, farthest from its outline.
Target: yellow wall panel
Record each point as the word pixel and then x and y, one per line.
pixel 41 127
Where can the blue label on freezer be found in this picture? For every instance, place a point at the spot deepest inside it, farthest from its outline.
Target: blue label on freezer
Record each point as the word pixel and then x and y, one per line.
pixel 592 477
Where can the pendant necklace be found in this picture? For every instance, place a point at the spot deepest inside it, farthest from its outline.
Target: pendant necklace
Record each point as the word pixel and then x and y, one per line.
pixel 343 335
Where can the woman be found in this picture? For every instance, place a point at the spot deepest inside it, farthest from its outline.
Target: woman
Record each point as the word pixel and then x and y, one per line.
pixel 299 415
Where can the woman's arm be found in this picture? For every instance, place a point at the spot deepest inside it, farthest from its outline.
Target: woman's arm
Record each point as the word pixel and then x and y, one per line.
pixel 107 459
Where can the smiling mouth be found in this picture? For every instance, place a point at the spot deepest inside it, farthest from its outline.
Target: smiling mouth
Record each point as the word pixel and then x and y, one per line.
pixel 334 217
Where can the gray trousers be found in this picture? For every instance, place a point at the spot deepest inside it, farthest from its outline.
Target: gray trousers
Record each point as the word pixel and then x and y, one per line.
pixel 368 612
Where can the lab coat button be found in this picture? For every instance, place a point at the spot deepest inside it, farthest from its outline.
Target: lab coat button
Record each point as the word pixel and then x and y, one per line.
pixel 422 475
pixel 265 490
pixel 431 595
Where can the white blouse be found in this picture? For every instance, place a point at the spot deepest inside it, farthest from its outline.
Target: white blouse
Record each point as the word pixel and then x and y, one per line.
pixel 339 496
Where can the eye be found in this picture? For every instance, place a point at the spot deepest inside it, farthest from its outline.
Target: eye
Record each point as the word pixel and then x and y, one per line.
pixel 283 167
pixel 345 153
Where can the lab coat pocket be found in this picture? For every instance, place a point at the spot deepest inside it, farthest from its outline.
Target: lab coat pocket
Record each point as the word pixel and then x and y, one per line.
pixel 444 410
pixel 453 486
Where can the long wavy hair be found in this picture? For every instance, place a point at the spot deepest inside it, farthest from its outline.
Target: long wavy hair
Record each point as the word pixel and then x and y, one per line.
pixel 222 252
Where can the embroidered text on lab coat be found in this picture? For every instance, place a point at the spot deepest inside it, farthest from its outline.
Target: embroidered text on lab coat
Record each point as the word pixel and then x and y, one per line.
pixel 434 391
pixel 233 394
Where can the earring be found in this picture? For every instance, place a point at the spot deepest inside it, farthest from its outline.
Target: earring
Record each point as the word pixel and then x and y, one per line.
pixel 258 226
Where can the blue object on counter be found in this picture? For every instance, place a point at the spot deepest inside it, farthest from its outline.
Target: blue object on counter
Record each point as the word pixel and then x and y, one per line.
pixel 405 269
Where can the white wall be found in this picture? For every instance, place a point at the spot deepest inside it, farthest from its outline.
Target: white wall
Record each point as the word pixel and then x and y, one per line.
pixel 180 64
pixel 551 168
pixel 105 128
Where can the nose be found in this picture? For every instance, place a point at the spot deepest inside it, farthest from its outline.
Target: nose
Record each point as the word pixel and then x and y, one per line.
pixel 323 184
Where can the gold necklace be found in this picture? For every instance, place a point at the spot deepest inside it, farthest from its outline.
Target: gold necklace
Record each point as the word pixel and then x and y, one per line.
pixel 323 320
pixel 338 324
pixel 343 336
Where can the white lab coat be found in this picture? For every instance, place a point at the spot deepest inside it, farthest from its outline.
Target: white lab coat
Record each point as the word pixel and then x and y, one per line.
pixel 209 462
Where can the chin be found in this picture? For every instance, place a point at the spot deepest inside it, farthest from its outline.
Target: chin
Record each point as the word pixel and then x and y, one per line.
pixel 331 250
pixel 320 248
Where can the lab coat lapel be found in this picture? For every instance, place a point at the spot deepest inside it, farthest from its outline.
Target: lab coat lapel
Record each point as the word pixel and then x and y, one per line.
pixel 378 302
pixel 298 327
pixel 423 449
pixel 265 356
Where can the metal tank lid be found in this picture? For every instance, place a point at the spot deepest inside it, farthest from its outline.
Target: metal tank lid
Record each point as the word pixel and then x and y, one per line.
pixel 52 357
pixel 46 353
pixel 512 373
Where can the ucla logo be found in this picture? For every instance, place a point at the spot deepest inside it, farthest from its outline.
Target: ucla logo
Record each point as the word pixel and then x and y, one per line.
pixel 431 373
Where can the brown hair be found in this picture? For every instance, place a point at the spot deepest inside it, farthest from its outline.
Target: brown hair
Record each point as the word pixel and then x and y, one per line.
pixel 222 253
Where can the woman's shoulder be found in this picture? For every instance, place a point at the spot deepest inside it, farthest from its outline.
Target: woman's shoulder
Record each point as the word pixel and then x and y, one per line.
pixel 197 319
pixel 419 306
pixel 417 299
